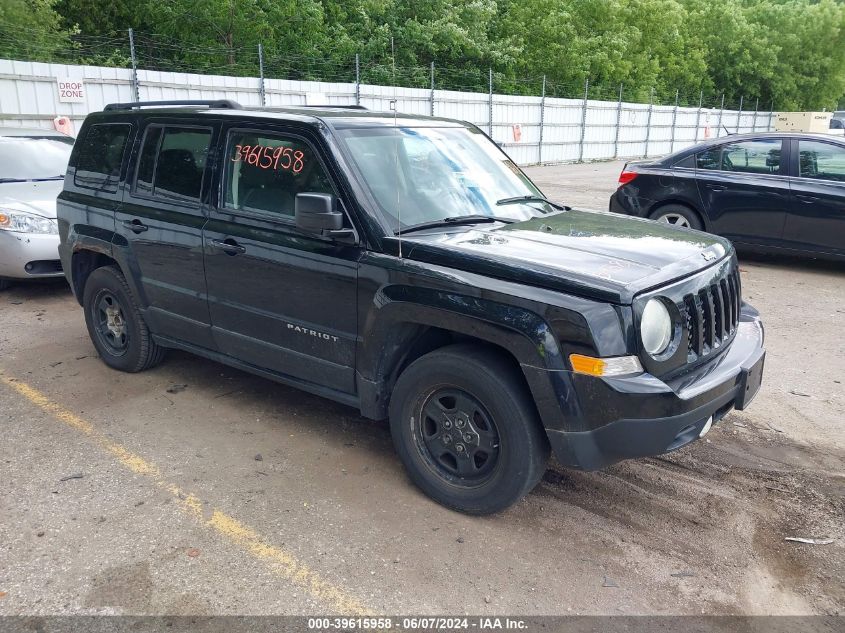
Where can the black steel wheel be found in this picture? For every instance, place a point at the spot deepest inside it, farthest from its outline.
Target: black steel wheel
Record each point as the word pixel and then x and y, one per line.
pixel 457 436
pixel 110 323
pixel 115 323
pixel 466 429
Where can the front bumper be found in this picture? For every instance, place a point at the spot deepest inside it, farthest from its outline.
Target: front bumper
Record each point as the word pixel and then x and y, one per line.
pixel 622 418
pixel 29 256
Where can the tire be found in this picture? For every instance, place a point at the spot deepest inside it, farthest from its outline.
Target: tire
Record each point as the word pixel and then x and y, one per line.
pixel 477 390
pixel 678 215
pixel 4 283
pixel 115 324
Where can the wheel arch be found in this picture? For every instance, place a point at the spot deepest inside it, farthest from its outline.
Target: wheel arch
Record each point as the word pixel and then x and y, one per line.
pixel 404 332
pixel 83 263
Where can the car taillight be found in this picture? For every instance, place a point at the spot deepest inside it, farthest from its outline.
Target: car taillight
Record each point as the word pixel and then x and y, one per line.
pixel 626 176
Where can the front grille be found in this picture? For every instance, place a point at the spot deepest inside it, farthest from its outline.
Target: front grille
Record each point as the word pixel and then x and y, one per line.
pixel 711 315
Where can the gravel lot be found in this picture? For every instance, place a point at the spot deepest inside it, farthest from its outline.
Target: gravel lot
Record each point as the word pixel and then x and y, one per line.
pixel 198 489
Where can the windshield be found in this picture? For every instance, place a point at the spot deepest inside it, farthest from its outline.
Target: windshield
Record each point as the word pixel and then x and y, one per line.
pixel 33 158
pixel 427 174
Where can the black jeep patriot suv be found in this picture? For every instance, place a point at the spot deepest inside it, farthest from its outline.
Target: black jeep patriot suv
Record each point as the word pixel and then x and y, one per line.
pixel 404 265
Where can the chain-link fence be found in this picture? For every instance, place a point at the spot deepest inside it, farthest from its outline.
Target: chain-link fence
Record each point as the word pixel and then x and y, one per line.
pixel 536 120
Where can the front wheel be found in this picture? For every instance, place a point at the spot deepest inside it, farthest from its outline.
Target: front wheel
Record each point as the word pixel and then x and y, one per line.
pixel 115 324
pixel 466 429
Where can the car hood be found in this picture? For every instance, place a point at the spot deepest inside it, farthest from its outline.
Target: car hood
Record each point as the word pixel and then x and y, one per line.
pixel 589 253
pixel 32 197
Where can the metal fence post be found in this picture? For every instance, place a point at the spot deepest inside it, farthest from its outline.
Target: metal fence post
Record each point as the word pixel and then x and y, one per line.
pixel 583 120
pixel 756 107
pixel 357 79
pixel 261 91
pixel 721 113
pixel 739 116
pixel 648 122
pixel 431 98
pixel 490 100
pixel 674 122
pixel 135 88
pixel 698 116
pixel 542 122
pixel 618 123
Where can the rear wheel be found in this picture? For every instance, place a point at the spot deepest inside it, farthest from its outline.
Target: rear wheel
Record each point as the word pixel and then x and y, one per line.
pixel 466 429
pixel 4 283
pixel 677 215
pixel 115 324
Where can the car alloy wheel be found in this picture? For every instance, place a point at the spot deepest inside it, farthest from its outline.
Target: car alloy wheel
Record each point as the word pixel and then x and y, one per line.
pixel 675 219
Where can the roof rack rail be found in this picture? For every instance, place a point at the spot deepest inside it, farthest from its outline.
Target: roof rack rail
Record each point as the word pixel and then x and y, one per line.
pixel 223 104
pixel 329 105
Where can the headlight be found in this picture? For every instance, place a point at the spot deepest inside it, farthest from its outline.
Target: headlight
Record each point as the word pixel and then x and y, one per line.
pixel 655 327
pixel 22 222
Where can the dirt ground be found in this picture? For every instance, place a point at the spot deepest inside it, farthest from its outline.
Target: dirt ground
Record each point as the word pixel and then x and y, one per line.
pixel 197 489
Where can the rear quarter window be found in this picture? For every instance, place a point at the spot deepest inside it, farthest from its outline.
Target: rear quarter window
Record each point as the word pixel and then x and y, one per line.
pixel 100 156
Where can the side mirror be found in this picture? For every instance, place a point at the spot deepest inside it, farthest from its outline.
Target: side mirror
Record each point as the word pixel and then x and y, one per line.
pixel 317 213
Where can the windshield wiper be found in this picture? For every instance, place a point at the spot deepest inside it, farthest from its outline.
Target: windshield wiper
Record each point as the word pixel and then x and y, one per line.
pixel 454 220
pixel 530 198
pixel 62 177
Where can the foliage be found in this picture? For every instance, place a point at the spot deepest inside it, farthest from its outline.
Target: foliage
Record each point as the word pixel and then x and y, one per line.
pixel 790 53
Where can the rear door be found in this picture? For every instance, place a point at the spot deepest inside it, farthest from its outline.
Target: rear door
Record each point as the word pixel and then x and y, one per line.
pixel 744 187
pixel 816 218
pixel 161 222
pixel 281 299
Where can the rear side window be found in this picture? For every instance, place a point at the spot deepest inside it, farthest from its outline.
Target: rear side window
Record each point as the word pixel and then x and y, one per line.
pixel 750 157
pixel 172 162
pixel 265 172
pixel 686 162
pixel 101 155
pixel 823 161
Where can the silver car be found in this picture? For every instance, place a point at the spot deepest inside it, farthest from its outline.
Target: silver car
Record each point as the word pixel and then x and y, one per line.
pixel 32 171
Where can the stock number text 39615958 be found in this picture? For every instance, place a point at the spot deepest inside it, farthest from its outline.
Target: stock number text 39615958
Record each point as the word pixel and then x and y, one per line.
pixel 264 157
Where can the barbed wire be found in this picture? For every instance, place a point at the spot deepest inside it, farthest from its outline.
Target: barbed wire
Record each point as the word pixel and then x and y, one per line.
pixel 159 52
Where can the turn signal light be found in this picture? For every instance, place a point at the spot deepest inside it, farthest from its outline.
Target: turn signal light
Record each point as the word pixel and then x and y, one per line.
pixel 618 366
pixel 626 176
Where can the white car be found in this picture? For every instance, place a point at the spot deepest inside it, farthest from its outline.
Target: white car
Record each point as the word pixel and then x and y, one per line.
pixel 32 172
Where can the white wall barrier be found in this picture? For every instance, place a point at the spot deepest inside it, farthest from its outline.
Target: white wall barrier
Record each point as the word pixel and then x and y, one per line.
pixel 532 130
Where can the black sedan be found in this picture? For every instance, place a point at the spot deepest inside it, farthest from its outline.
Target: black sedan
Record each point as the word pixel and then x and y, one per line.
pixel 766 192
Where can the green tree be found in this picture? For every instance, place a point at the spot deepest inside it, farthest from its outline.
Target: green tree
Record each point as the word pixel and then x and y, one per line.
pixel 31 30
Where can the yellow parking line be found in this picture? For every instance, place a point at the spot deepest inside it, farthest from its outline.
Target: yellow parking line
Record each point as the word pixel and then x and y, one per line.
pixel 281 561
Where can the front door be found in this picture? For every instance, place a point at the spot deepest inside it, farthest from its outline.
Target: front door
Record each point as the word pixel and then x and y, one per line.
pixel 280 299
pixel 816 219
pixel 161 220
pixel 745 189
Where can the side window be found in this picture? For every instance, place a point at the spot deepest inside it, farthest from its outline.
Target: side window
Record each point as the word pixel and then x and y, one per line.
pixel 686 162
pixel 264 172
pixel 172 163
pixel 821 160
pixel 100 156
pixel 752 157
pixel 709 159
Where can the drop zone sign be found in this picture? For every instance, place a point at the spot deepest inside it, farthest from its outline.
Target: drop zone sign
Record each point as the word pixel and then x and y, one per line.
pixel 71 90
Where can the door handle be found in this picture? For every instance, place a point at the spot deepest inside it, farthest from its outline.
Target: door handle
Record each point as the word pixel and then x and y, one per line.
pixel 717 187
pixel 229 246
pixel 806 199
pixel 136 226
